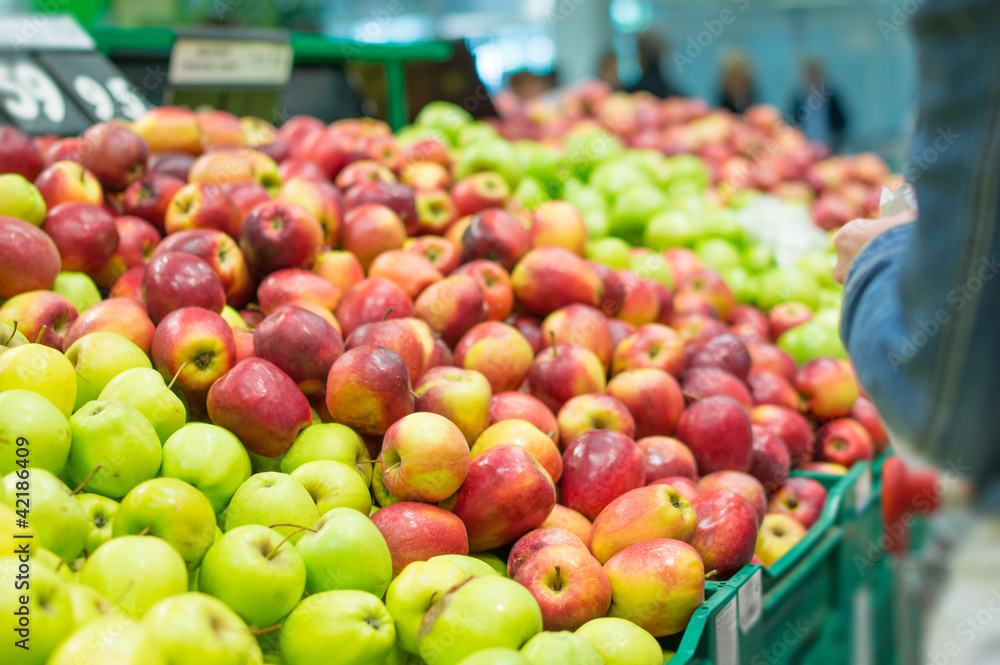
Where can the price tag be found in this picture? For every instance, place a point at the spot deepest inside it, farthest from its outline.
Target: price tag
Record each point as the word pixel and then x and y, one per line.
pixel 203 61
pixel 32 99
pixel 750 602
pixel 96 86
pixel 863 490
pixel 727 639
pixel 861 647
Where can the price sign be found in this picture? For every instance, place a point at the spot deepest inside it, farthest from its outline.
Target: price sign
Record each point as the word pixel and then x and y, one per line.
pixel 96 86
pixel 32 99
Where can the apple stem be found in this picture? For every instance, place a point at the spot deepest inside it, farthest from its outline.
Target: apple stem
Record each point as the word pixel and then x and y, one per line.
pixel 555 351
pixel 710 574
pixel 366 461
pixel 40 333
pixel 86 480
pixel 12 333
pixel 121 596
pixel 145 530
pixel 414 395
pixel 387 313
pixel 253 307
pixel 176 374
pixel 62 319
pixel 284 540
pixel 269 629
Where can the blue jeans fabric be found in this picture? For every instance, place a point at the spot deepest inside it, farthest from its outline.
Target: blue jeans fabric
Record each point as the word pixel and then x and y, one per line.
pixel 921 316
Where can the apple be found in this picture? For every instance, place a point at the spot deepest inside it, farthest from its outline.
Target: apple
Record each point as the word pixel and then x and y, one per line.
pixel 114 448
pixel 645 513
pixel 114 154
pixel 711 287
pixel 362 171
pixel 220 128
pixel 657 584
pixel 787 315
pixel 506 494
pixel 58 520
pixel 702 382
pixel 829 386
pixel 424 174
pixel 507 405
pixel 865 413
pixel 475 565
pixel 42 316
pixel 411 272
pixel 176 279
pixel 170 129
pixel 31 255
pixel 494 282
pixel 451 307
pixel 776 536
pixel 580 325
pixel 800 498
pixel 173 163
pixel 483 612
pixel 33 417
pixel 739 483
pixel 201 205
pixel 41 370
pixel 641 304
pixel 542 267
pixel 424 458
pixel 531 328
pixel 598 467
pixel 559 224
pixel 441 252
pixel 136 240
pixel 697 328
pixel 569 584
pixel 321 199
pixel 844 441
pixel 98 358
pixel 22 200
pixel 667 457
pixel 299 343
pixel 353 624
pixel 100 515
pixel 256 572
pixel 652 345
pixel 621 642
pixel 535 540
pixel 19 154
pixel 584 413
pixel 195 627
pixel 412 593
pixel 370 229
pixel 725 352
pixel 222 255
pixel 717 430
pixel 113 637
pixel 418 531
pixel 374 299
pixel 193 347
pixel 128 286
pixel 117 315
pixel 523 434
pixel 136 571
pixel 496 235
pixel 562 372
pixel 368 389
pixel 275 500
pixel 328 441
pixel 770 461
pixel 170 509
pixel 245 196
pixel 228 165
pixel 396 196
pixel 345 551
pixel 68 182
pixel 340 268
pixel 397 335
pixel 149 198
pixel 286 286
pixel 463 396
pixel 85 235
pixel 498 351
pixel 261 405
pixel 552 648
pixel 766 387
pixel 726 532
pixel 280 234
pixel 613 297
pixel 480 191
pixel 790 426
pixel 209 458
pixel 652 396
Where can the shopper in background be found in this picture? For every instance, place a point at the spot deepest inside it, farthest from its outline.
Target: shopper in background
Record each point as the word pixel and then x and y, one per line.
pixel 816 107
pixel 607 71
pixel 737 85
pixel 922 304
pixel 650 48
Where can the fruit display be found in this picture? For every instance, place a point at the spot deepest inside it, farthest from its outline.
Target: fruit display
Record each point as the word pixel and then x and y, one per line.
pixel 272 394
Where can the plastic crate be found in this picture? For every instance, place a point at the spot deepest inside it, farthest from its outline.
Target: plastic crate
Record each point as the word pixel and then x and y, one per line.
pixel 712 636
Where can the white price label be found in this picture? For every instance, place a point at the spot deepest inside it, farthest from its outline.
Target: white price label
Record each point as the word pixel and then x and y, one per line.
pixel 30 93
pixel 132 106
pixel 230 62
pixel 863 490
pixel 94 94
pixel 861 646
pixel 750 602
pixel 727 638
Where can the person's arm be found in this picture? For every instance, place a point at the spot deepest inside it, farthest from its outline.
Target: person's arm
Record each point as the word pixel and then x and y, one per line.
pixel 922 300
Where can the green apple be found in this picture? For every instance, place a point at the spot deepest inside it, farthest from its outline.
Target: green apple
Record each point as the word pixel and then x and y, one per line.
pixel 208 457
pixel 487 611
pixel 143 388
pixel 54 562
pixel 42 370
pixel 633 209
pixel 470 565
pixel 612 252
pixel 54 513
pixel 20 199
pixel 543 163
pixel 495 656
pixel 722 223
pixel 491 560
pixel 415 589
pixel 531 193
pixel 689 168
pixel 255 571
pixel 382 495
pixel 758 258
pixel 260 463
pixel 172 510
pixel 671 228
pixel 400 657
pixel 88 604
pixel 233 318
pixel 819 263
pixel 443 116
pixel 592 206
pixel 10 337
pixel 345 550
pixel 135 572
pixel 476 132
pixel 39 425
pixel 830 299
pixel 488 155
pixel 114 446
pixel 613 177
pixel 110 639
pixel 812 339
pixel 331 441
pixel 272 498
pixel 100 516
pixel 743 285
pixel 718 254
pixel 353 625
pixel 556 648
pixel 783 284
pixel 334 485
pixel 621 642
pixel 651 265
pixel 50 612
pixel 587 148
pixel 197 628
pixel 97 358
pixel 77 288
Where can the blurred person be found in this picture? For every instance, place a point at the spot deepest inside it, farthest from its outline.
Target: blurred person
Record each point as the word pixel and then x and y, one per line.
pixel 528 85
pixel 816 107
pixel 737 90
pixel 922 303
pixel 650 47
pixel 607 71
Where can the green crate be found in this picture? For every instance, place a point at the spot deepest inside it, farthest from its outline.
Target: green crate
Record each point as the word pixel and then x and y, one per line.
pixel 712 636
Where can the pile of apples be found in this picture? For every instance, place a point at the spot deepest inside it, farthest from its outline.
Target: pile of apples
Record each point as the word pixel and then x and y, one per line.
pixel 321 392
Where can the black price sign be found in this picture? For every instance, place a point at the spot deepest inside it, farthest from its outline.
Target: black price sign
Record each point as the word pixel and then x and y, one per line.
pixel 95 85
pixel 33 101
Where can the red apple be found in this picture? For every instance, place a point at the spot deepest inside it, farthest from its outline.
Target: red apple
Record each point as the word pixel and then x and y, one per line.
pixel 374 299
pixel 496 235
pixel 790 426
pixel 425 175
pixel 129 285
pixel 68 182
pixel 559 224
pixel 397 335
pixel 770 461
pixel 726 532
pixel 195 345
pixel 368 389
pixel 652 396
pixel 802 499
pixel 202 206
pixel 297 128
pixel 773 359
pixel 29 256
pixel 480 191
pixel 136 240
pixel 645 513
pixel 494 282
pixel 451 307
pixel 115 155
pixel 712 287
pixel 770 388
pixel 245 196
pixel 742 484
pixel 579 325
pixel 844 441
pixel 724 352
pixel 220 128
pixel 613 297
pixel 418 531
pixel 536 273
pixel 118 315
pixel 685 486
pixel 222 255
pixel 371 229
pixel 300 344
pixel 598 467
pixel 85 235
pixel 667 457
pixel 497 351
pixel 176 279
pixel 299 168
pixel 41 316
pixel 717 430
pixel 18 154
pixel 702 382
pixel 430 150
pixel 588 412
pixel 866 414
pixel 174 164
pixel 562 372
pixel 750 321
pixel 787 315
pixel 149 197
pixel 282 287
pixel 513 405
pixel 340 268
pixel 570 586
pixel 533 541
pixel 225 166
pixel 362 171
pixel 279 235
pixel 441 252
pixel 619 331
pixel 408 270
pixel 652 345
pixel 829 386
pixel 170 129
pixel 393 195
pixel 562 517
pixel 424 457
pixel 462 396
pixel 695 328
pixel 642 301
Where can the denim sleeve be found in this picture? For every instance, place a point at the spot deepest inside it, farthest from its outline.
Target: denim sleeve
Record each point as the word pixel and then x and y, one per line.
pixel 922 303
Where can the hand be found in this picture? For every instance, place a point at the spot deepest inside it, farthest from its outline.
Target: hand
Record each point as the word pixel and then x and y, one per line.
pixel 855 236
